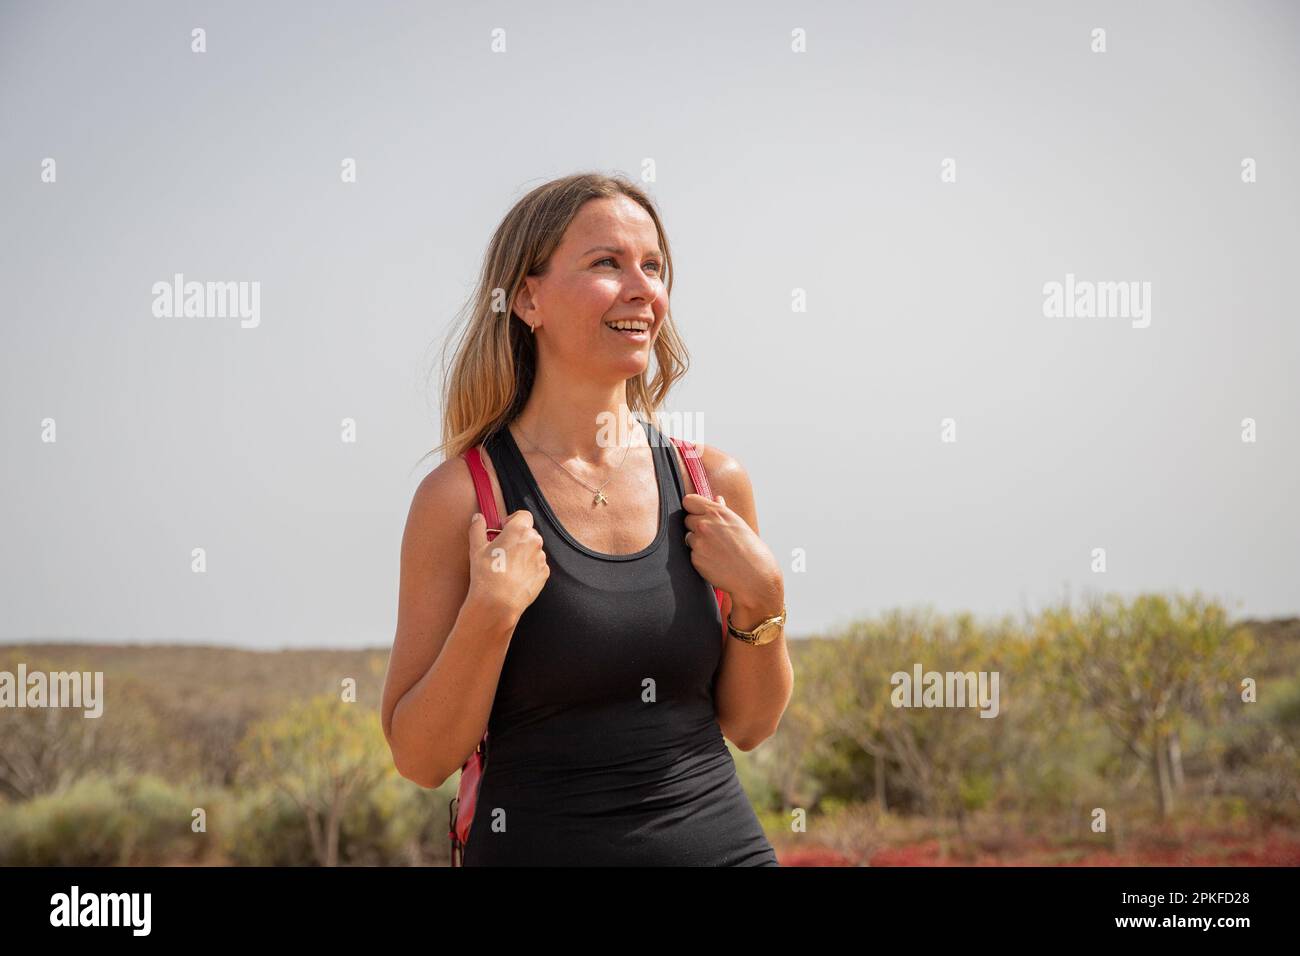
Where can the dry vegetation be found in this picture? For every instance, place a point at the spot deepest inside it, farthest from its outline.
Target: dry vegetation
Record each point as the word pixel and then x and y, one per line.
pixel 1132 710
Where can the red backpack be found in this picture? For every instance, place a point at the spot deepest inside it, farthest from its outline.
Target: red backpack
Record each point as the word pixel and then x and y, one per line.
pixel 460 811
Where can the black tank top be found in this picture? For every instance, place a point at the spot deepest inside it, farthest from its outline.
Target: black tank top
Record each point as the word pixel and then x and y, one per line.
pixel 603 744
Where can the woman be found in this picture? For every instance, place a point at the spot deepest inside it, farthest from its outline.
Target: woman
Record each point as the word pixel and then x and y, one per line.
pixel 585 638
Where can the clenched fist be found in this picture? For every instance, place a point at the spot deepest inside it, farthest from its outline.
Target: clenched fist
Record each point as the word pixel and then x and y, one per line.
pixel 509 571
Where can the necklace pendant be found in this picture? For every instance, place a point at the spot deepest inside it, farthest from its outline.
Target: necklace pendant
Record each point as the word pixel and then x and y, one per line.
pixel 600 499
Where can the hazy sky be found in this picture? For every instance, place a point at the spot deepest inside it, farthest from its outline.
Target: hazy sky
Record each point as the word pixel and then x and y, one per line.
pixel 776 171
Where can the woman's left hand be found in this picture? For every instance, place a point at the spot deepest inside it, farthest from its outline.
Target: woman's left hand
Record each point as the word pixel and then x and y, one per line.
pixel 726 551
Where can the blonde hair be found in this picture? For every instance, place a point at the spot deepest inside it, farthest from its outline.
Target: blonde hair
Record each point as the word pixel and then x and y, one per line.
pixel 494 366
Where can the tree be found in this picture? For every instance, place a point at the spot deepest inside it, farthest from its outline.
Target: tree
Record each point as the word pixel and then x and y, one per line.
pixel 938 754
pixel 1146 668
pixel 322 754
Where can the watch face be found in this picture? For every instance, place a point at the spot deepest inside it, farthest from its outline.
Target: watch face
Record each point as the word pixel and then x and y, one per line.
pixel 762 633
pixel 766 630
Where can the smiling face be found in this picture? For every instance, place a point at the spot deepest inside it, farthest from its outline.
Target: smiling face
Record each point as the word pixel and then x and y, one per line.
pixel 607 269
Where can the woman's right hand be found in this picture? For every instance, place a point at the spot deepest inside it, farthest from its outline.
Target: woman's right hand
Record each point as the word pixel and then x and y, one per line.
pixel 507 572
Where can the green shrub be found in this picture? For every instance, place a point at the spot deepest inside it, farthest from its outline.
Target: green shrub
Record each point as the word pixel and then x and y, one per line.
pixel 266 828
pixel 395 824
pixel 102 820
pixel 399 824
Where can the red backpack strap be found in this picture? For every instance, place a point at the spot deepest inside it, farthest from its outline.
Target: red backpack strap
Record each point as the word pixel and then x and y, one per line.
pixel 461 809
pixel 695 465
pixel 487 503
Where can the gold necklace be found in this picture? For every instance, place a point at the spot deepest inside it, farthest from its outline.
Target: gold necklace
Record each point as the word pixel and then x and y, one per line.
pixel 600 498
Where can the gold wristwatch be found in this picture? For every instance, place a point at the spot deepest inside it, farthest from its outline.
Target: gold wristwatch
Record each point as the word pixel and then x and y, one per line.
pixel 763 633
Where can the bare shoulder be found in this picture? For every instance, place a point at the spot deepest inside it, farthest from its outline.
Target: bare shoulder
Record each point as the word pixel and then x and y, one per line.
pixel 445 499
pixel 727 477
pixel 443 495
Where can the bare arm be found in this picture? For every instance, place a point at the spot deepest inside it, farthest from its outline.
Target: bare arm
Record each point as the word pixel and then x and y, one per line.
pixel 450 643
pixel 754 684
